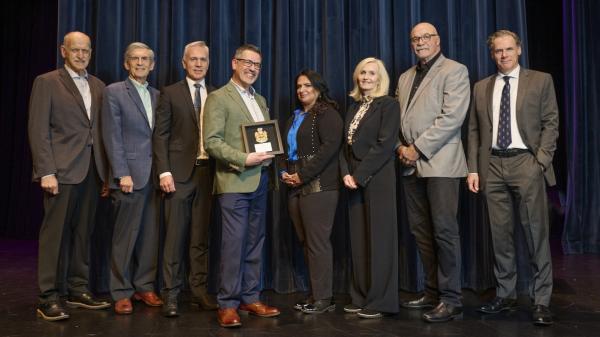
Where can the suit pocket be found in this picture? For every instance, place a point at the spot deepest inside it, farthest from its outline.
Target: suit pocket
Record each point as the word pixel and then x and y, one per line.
pixel 175 146
pixel 130 155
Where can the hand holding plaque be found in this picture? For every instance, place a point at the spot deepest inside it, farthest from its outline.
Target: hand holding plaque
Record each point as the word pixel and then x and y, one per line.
pixel 262 137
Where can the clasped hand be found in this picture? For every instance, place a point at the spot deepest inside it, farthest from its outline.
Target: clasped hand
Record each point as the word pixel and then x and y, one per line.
pixel 292 180
pixel 408 155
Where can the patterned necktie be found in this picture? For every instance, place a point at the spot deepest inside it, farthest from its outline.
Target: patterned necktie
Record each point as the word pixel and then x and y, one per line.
pixel 197 99
pixel 504 137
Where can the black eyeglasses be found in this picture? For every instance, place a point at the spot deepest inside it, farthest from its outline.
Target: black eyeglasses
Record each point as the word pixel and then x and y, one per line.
pixel 249 63
pixel 425 37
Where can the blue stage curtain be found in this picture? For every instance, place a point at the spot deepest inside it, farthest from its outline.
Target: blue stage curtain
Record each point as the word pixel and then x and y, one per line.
pixel 330 37
pixel 582 108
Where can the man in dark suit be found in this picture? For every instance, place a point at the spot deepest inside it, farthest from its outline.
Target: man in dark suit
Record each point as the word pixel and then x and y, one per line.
pixel 513 127
pixel 434 99
pixel 241 186
pixel 68 162
pixel 127 123
pixel 186 175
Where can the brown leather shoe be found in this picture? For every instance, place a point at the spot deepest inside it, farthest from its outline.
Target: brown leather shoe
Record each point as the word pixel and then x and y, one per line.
pixel 259 309
pixel 149 298
pixel 205 301
pixel 228 318
pixel 123 306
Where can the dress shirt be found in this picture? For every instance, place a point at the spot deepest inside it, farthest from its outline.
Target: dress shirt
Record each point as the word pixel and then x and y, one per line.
pixel 299 116
pixel 517 141
pixel 142 90
pixel 84 88
pixel 202 154
pixel 250 101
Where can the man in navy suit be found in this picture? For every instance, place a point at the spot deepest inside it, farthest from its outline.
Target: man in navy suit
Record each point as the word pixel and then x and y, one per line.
pixel 127 124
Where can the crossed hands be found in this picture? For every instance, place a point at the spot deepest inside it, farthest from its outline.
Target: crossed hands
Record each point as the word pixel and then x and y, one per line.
pixel 408 155
pixel 292 180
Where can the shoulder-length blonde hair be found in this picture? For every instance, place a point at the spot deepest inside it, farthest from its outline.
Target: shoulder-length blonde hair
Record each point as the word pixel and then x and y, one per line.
pixel 383 86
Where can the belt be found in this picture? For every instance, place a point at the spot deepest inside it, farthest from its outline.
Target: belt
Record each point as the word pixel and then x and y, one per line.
pixel 508 152
pixel 201 162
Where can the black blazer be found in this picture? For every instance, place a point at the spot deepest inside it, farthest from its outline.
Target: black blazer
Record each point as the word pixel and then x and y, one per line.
pixel 176 132
pixel 374 140
pixel 320 135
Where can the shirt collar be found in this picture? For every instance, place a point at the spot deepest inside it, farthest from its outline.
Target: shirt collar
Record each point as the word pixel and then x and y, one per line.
pixel 191 82
pixel 138 84
pixel 74 74
pixel 513 74
pixel 427 65
pixel 249 92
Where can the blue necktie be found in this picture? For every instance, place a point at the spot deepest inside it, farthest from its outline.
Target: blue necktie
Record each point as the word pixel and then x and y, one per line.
pixel 504 137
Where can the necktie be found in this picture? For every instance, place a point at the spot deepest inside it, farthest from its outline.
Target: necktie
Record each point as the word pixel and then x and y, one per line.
pixel 504 136
pixel 197 99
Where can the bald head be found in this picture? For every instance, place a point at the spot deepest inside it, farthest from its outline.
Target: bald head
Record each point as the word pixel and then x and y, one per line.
pixel 425 41
pixel 76 51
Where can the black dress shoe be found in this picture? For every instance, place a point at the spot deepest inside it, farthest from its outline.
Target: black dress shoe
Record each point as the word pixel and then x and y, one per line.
pixel 368 313
pixel 301 304
pixel 87 301
pixel 497 305
pixel 542 315
pixel 205 302
pixel 319 307
pixel 442 313
pixel 169 308
pixel 352 309
pixel 421 303
pixel 52 311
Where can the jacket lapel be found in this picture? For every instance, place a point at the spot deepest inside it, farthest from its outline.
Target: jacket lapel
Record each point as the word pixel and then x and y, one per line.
pixel 72 87
pixel 137 100
pixel 187 98
pixel 432 73
pixel 237 98
pixel 523 85
pixel 489 98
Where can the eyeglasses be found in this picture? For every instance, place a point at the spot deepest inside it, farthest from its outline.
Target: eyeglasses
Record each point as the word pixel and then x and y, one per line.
pixel 139 58
pixel 248 63
pixel 425 37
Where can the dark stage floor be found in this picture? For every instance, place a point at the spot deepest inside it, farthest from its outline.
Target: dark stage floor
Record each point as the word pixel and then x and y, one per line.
pixel 576 304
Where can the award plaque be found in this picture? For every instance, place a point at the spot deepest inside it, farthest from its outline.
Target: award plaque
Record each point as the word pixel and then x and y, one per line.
pixel 262 137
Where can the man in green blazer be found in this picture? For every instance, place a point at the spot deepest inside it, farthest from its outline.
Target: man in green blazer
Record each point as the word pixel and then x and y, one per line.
pixel 241 186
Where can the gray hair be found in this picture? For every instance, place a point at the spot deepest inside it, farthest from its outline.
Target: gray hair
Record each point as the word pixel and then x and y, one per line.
pixel 501 33
pixel 244 47
pixel 194 44
pixel 137 45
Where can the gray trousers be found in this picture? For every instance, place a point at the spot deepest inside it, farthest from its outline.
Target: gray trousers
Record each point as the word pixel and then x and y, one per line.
pixel 135 242
pixel 432 207
pixel 313 216
pixel 518 182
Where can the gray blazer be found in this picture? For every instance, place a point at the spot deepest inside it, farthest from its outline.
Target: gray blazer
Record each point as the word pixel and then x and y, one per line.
pixel 127 134
pixel 537 118
pixel 433 119
pixel 60 133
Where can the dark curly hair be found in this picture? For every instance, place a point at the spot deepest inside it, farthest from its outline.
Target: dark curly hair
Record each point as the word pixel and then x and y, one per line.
pixel 320 85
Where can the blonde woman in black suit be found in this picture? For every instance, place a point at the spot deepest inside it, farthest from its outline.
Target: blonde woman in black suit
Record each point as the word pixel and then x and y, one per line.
pixel 367 169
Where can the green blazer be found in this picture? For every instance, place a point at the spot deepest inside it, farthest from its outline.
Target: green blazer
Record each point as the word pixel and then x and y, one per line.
pixel 224 114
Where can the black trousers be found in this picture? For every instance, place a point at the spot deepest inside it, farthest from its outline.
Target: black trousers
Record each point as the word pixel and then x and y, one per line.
pixel 313 216
pixel 187 214
pixel 432 207
pixel 65 233
pixel 518 182
pixel 134 252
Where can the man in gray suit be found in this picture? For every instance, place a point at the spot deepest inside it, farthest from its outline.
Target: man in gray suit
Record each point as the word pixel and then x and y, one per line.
pixel 68 162
pixel 127 123
pixel 434 98
pixel 513 127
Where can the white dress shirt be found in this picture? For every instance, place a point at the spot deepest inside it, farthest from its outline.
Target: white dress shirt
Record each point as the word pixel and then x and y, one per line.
pixel 517 141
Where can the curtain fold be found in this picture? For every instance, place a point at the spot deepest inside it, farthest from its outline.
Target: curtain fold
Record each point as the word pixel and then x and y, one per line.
pixel 328 36
pixel 582 104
